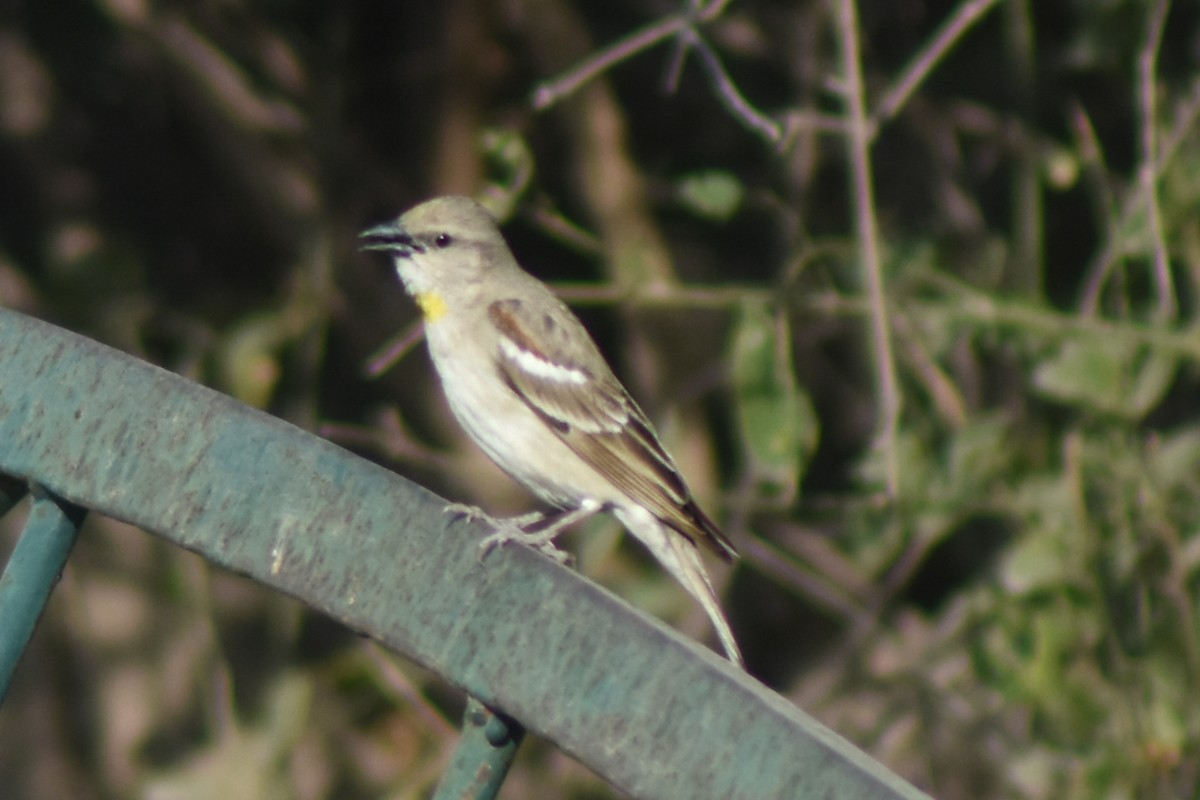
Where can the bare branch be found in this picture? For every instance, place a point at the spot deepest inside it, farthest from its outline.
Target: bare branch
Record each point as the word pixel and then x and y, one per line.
pixel 727 91
pixel 547 94
pixel 923 63
pixel 1147 174
pixel 683 26
pixel 862 187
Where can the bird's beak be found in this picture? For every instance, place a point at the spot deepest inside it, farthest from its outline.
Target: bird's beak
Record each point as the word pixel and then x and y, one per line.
pixel 390 237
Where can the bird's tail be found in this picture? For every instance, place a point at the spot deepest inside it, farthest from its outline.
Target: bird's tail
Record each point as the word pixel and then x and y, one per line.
pixel 682 559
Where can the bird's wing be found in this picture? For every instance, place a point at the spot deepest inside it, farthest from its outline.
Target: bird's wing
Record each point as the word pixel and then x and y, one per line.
pixel 549 360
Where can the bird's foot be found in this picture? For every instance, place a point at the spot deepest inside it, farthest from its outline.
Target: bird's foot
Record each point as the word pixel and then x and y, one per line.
pixel 510 530
pixel 539 531
pixel 475 513
pixel 522 529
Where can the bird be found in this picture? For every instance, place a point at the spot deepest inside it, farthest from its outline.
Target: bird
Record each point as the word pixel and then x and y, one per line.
pixel 528 384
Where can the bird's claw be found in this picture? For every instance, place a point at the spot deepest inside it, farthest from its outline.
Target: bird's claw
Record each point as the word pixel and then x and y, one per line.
pixel 510 529
pixel 507 531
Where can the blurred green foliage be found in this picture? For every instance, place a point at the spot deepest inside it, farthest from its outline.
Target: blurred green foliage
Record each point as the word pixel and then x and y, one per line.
pixel 1015 618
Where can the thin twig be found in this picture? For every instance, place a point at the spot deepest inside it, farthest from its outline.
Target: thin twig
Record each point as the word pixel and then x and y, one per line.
pixel 557 226
pixel 1148 175
pixel 964 304
pixel 1026 262
pixel 797 120
pixel 674 296
pixel 395 682
pixel 923 63
pixel 1095 171
pixel 684 27
pixel 947 398
pixel 728 93
pixel 650 295
pixel 675 66
pixel 970 306
pixel 1186 115
pixel 547 94
pixel 1095 168
pixel 860 166
pixel 394 349
pixel 795 574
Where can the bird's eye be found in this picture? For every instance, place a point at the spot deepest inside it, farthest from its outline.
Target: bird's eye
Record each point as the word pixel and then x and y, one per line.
pixel 443 240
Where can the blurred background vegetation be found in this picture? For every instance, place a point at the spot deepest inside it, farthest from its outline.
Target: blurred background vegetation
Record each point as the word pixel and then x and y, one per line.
pixel 910 288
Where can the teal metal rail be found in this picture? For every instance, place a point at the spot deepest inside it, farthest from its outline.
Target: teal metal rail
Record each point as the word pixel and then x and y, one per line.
pixel 32 570
pixel 654 713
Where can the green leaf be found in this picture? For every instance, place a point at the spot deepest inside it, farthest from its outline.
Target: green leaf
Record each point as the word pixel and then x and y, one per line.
pixel 1176 459
pixel 1108 376
pixel 977 456
pixel 1048 555
pixel 1037 563
pixel 712 194
pixel 778 424
pixel 918 472
pixel 511 161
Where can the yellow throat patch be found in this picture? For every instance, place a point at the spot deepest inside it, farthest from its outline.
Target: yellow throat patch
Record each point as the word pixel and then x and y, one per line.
pixel 432 306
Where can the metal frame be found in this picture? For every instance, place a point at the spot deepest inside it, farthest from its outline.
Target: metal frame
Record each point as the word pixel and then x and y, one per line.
pixel 651 711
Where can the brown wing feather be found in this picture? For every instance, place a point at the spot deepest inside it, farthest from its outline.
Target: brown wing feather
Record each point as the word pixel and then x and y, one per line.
pixel 594 415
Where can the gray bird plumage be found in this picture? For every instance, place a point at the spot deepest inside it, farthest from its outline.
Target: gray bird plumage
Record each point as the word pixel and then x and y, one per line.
pixel 531 388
